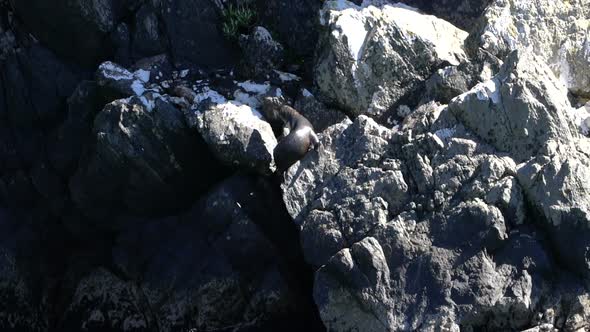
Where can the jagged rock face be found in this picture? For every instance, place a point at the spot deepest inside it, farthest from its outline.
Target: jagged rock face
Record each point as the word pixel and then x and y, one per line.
pixel 555 185
pixel 556 32
pixel 462 13
pixel 195 271
pixel 239 136
pixel 294 21
pixel 520 110
pixel 20 308
pixel 261 54
pixel 472 216
pixel 141 162
pixel 524 112
pixel 418 228
pixel 103 29
pixel 372 57
pixel 193 30
pixel 88 23
pixel 320 116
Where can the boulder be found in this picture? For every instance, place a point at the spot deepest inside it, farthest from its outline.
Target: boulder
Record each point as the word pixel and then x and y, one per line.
pixel 461 13
pixel 103 301
pixel 295 22
pixel 21 308
pixel 324 195
pixel 320 116
pixel 555 32
pixel 148 39
pixel 520 110
pixel 234 130
pixel 420 229
pixel 581 117
pixel 260 53
pixel 142 160
pixel 193 31
pixel 554 185
pixel 371 58
pixel 87 23
pixel 209 269
pixel 351 290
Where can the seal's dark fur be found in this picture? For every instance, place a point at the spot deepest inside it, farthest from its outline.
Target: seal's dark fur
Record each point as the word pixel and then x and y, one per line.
pixel 301 137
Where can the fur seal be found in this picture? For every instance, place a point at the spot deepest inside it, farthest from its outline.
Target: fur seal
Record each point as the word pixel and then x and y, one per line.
pixel 298 134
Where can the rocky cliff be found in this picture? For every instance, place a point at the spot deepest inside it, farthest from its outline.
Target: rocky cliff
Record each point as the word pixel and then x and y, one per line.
pixel 450 190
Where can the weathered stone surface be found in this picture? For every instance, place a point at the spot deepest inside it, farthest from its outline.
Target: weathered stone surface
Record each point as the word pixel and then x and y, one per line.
pixel 234 129
pixel 358 276
pixel 143 161
pixel 193 30
pixel 579 314
pixel 213 267
pixel 445 84
pixel 147 38
pixel 555 185
pixel 520 110
pixel 350 154
pixel 119 79
pixel 294 21
pixel 102 301
pixel 556 32
pixel 87 23
pixel 260 53
pixel 320 116
pixel 453 246
pixel 373 56
pixel 238 136
pixel 445 222
pixel 581 117
pixel 20 308
pixel 462 13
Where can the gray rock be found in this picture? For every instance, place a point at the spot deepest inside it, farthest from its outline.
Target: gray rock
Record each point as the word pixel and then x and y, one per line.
pixel 323 193
pixel 234 129
pixel 119 79
pixel 88 23
pixel 103 301
pixel 351 290
pixel 238 135
pixel 21 309
pixel 147 38
pixel 520 110
pixel 554 31
pixel 372 57
pixel 320 116
pixel 446 83
pixel 581 117
pixel 421 230
pixel 294 21
pixel 260 53
pixel 143 161
pixel 193 31
pixel 462 13
pixel 552 185
pixel 211 268
pixel 579 314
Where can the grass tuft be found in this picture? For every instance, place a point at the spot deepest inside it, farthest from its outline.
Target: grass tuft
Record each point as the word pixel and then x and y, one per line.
pixel 237 20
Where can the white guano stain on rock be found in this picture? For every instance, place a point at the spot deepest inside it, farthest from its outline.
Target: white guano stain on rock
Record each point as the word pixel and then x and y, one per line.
pixel 142 75
pixel 212 95
pixel 115 72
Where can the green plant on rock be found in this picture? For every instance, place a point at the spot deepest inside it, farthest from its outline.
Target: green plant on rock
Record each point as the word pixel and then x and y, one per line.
pixel 236 20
